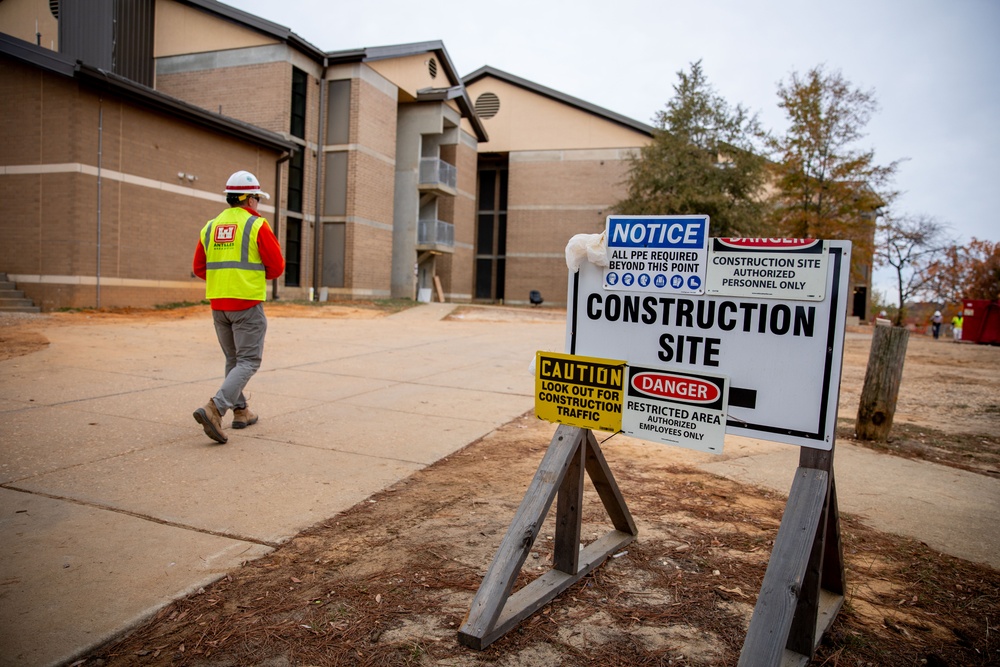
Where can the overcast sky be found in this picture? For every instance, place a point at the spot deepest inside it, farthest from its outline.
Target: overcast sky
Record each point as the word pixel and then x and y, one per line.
pixel 934 67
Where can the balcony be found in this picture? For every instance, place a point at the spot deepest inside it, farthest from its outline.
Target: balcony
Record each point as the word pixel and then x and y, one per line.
pixel 438 177
pixel 435 235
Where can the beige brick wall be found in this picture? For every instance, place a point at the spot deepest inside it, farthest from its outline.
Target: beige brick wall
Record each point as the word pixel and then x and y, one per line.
pixel 366 262
pixel 553 197
pixel 147 234
pixel 370 185
pixel 259 94
pixel 462 264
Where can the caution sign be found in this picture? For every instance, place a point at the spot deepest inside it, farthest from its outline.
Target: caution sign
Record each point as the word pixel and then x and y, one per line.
pixel 674 408
pixel 579 391
pixel 792 269
pixel 665 254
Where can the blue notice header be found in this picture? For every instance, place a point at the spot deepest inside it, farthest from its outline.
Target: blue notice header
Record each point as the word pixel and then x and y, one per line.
pixel 657 232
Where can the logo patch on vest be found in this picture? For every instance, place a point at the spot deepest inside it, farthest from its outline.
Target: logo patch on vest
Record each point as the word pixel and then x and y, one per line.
pixel 225 233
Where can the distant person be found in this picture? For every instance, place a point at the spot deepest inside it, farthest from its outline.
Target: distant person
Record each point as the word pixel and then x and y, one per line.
pixel 956 327
pixel 236 255
pixel 936 324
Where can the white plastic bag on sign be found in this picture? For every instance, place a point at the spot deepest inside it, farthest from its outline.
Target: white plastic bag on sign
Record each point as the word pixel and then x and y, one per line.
pixel 590 247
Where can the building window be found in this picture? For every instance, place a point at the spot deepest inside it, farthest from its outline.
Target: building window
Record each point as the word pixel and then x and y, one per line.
pixel 491 229
pixel 296 177
pixel 293 252
pixel 299 81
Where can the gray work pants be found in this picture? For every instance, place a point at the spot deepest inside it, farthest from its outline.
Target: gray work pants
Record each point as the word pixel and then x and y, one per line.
pixel 241 336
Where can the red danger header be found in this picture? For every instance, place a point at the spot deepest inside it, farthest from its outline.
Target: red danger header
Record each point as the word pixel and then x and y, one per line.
pixel 676 387
pixel 769 243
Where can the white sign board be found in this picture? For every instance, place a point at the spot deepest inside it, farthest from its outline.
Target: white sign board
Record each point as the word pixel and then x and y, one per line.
pixel 783 359
pixel 768 268
pixel 665 254
pixel 684 409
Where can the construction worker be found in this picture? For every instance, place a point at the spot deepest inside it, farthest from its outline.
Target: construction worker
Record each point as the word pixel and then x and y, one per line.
pixel 956 326
pixel 237 254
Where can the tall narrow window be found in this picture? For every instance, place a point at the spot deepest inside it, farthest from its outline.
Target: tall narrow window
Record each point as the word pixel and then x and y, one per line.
pixel 293 252
pixel 299 86
pixel 491 228
pixel 296 176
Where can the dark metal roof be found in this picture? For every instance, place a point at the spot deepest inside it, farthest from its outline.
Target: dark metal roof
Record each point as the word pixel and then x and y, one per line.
pixel 112 83
pixel 264 26
pixel 461 97
pixel 630 123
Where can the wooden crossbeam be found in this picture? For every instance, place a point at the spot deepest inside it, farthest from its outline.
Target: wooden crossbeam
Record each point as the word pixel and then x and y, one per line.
pixel 573 450
pixel 803 587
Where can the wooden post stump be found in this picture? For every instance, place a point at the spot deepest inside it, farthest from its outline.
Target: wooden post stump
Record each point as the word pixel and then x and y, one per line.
pixel 882 378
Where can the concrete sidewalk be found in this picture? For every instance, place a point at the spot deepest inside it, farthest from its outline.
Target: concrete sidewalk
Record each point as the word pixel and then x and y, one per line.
pixel 113 502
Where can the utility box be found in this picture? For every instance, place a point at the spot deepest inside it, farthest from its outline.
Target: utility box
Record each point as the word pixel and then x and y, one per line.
pixel 981 321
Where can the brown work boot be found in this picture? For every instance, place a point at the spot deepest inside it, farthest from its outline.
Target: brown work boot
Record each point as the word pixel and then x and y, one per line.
pixel 211 421
pixel 243 417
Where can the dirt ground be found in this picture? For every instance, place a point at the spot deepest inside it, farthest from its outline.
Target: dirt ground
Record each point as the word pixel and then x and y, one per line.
pixel 390 581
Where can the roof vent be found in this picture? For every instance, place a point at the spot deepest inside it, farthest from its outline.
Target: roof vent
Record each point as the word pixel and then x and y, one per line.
pixel 487 105
pixel 432 68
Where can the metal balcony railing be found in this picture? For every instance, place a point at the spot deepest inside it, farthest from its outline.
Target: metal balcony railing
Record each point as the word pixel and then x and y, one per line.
pixel 437 172
pixel 436 233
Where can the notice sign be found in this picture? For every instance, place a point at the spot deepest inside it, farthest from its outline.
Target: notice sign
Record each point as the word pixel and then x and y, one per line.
pixel 665 254
pixel 793 269
pixel 683 409
pixel 579 391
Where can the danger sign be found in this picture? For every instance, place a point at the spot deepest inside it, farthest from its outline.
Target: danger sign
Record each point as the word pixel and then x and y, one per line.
pixel 779 268
pixel 579 391
pixel 684 409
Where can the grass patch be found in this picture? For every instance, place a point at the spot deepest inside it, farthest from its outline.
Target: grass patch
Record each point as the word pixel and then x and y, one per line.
pixel 180 304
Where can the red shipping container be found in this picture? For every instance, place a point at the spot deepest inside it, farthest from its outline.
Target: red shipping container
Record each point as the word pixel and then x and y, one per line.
pixel 981 321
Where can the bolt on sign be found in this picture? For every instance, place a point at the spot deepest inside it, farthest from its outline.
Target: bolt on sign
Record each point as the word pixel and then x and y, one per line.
pixel 663 254
pixel 579 391
pixel 792 269
pixel 674 408
pixel 782 357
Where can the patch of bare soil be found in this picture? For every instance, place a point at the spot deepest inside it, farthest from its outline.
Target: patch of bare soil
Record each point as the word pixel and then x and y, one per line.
pixel 526 314
pixel 390 581
pixel 948 410
pixel 22 334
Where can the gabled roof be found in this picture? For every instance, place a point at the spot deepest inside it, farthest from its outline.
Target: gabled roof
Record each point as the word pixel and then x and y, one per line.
pixel 264 26
pixel 487 71
pixel 457 92
pixel 93 77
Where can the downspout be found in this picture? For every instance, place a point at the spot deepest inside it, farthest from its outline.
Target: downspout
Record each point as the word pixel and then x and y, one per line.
pixel 319 180
pixel 277 211
pixel 100 150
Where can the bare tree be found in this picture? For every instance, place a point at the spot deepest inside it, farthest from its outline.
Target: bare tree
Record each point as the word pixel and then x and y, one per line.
pixel 826 186
pixel 910 245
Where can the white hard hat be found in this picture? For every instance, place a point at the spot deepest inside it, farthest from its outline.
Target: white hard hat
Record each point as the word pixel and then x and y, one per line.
pixel 244 183
pixel 937 313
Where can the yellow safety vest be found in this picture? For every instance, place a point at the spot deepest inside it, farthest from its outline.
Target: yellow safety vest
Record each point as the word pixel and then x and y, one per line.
pixel 234 269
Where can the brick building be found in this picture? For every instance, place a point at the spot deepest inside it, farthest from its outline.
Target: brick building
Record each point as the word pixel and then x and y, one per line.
pixel 376 158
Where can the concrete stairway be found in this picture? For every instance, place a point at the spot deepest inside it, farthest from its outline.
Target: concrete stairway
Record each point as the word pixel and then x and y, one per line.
pixel 12 300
